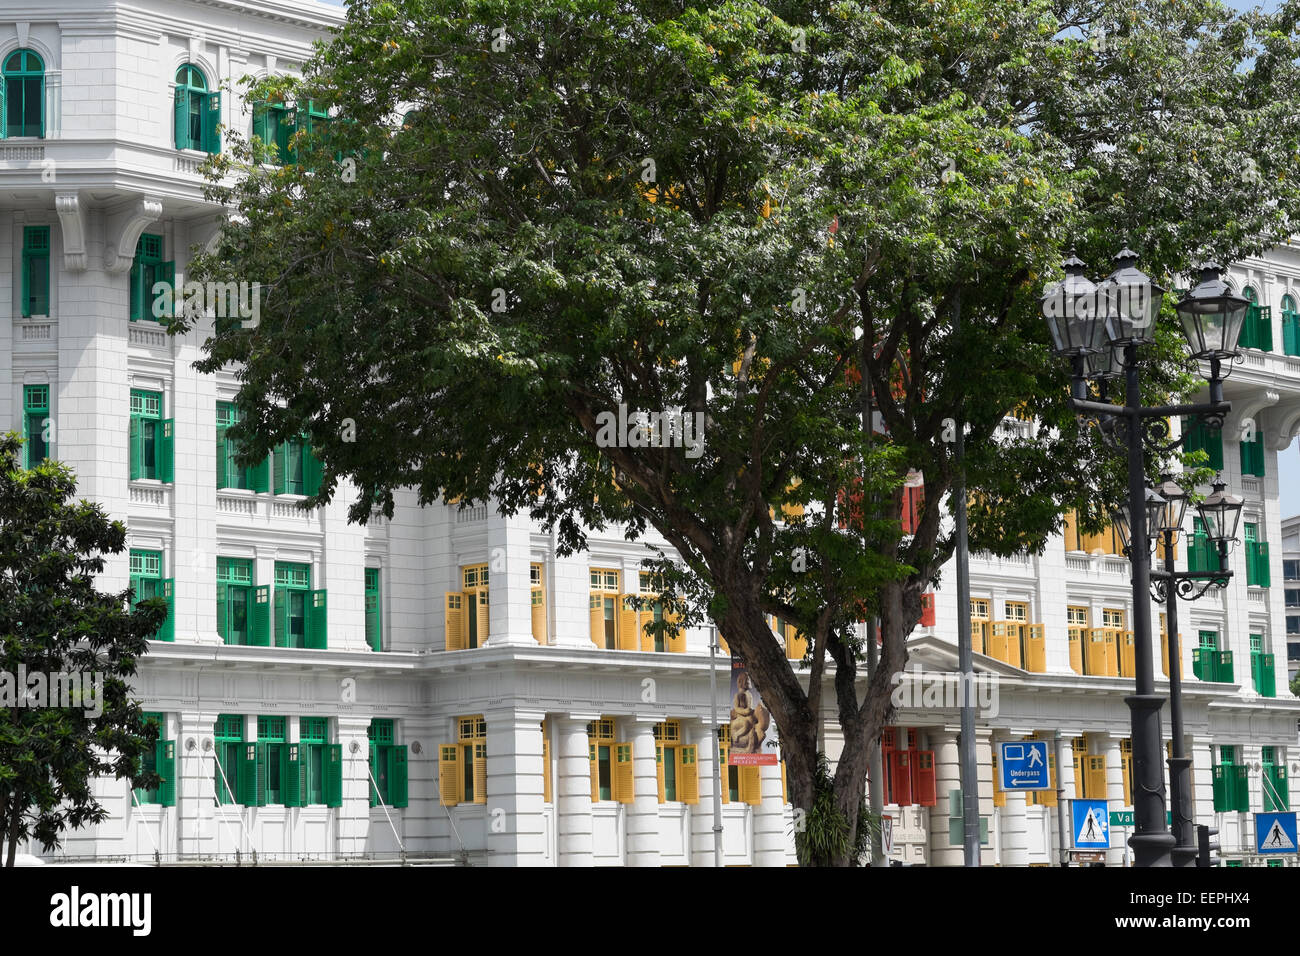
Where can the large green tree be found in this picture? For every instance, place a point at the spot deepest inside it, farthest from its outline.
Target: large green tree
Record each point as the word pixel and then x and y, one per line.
pixel 770 215
pixel 53 621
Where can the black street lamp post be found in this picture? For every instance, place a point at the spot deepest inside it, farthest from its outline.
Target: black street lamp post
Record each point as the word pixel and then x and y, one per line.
pixel 1166 510
pixel 1084 321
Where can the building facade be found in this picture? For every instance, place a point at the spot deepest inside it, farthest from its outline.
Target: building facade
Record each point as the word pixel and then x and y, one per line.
pixel 443 685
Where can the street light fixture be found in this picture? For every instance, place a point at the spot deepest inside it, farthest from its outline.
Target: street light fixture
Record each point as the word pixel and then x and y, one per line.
pixel 1155 512
pixel 1131 301
pixel 1221 512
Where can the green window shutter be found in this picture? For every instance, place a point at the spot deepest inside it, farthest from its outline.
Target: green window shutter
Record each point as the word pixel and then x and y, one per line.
pixel 1264 327
pixel 137 446
pixel 1214 445
pixel 166 273
pixel 291 780
pixel 166 766
pixel 36 271
pixel 1263 576
pixel 260 121
pixel 281 460
pixel 316 631
pixel 311 471
pixel 397 776
pixel 281 618
pixel 223 458
pixel 374 630
pixel 166 589
pixel 211 120
pixel 257 476
pixel 1241 789
pixel 333 775
pixel 166 450
pixel 181 117
pixel 374 773
pixel 246 783
pixel 263 771
pixel 136 284
pixel 259 623
pixel 223 611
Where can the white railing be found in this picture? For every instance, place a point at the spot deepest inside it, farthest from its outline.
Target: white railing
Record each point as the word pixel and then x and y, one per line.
pixel 22 154
pixel 1074 562
pixel 147 335
pixel 188 164
pixel 236 504
pixel 290 509
pixel 477 513
pixel 1250 485
pixel 1256 596
pixel 152 495
pixel 1115 565
pixel 37 332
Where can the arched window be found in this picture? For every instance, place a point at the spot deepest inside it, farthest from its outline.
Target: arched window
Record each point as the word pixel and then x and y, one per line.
pixel 1249 293
pixel 1288 303
pixel 24 94
pixel 1290 326
pixel 197 111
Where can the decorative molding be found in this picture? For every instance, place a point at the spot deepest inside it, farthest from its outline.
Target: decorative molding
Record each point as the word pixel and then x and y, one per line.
pixel 72 220
pixel 1285 429
pixel 1244 409
pixel 24 28
pixel 127 224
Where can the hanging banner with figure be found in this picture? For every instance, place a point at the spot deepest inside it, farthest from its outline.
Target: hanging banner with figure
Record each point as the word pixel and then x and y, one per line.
pixel 753 731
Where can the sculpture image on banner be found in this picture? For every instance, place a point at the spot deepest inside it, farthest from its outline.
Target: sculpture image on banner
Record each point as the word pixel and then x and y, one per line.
pixel 753 732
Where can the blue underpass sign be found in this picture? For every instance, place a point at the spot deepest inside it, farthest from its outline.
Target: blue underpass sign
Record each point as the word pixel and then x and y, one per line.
pixel 1091 824
pixel 1275 832
pixel 1023 765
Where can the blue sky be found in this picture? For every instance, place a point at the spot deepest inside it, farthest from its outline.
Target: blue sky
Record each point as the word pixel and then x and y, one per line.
pixel 1288 460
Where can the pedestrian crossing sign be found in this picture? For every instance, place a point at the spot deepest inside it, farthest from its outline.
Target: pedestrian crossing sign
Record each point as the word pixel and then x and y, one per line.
pixel 1091 824
pixel 1275 832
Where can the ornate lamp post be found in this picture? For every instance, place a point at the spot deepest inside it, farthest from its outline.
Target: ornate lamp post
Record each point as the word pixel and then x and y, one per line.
pixel 1127 303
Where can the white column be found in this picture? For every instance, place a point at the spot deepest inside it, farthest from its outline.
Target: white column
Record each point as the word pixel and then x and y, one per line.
pixel 571 591
pixel 769 820
pixel 705 740
pixel 1115 792
pixel 195 768
pixel 642 815
pixel 573 790
pixel 353 827
pixel 510 612
pixel 516 831
pixel 984 781
pixel 947 777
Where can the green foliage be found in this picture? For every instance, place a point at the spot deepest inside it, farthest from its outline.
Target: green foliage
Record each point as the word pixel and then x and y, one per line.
pixel 53 620
pixel 1295 685
pixel 825 835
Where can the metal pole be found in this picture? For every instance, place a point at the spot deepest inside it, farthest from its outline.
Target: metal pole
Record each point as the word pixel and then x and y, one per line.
pixel 875 796
pixel 1180 765
pixel 968 770
pixel 717 750
pixel 1062 839
pixel 1151 840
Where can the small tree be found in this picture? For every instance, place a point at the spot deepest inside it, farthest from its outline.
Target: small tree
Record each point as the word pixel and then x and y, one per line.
pixel 54 622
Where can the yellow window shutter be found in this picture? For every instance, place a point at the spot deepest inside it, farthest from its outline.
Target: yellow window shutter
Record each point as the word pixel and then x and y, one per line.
pixel 449 774
pixel 1035 648
pixel 676 640
pixel 455 621
pixel 1076 635
pixel 688 777
pixel 546 768
pixel 595 773
pixel 624 782
pixel 1079 778
pixel 647 639
pixel 978 631
pixel 722 644
pixel 597 615
pixel 480 773
pixel 481 619
pixel 751 786
pixel 1097 777
pixel 659 769
pixel 539 616
pixel 1070 533
pixel 723 754
pixel 795 644
pixel 785 785
pixel 627 624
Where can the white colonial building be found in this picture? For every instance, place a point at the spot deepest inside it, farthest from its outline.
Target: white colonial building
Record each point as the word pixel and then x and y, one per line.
pixel 443 685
